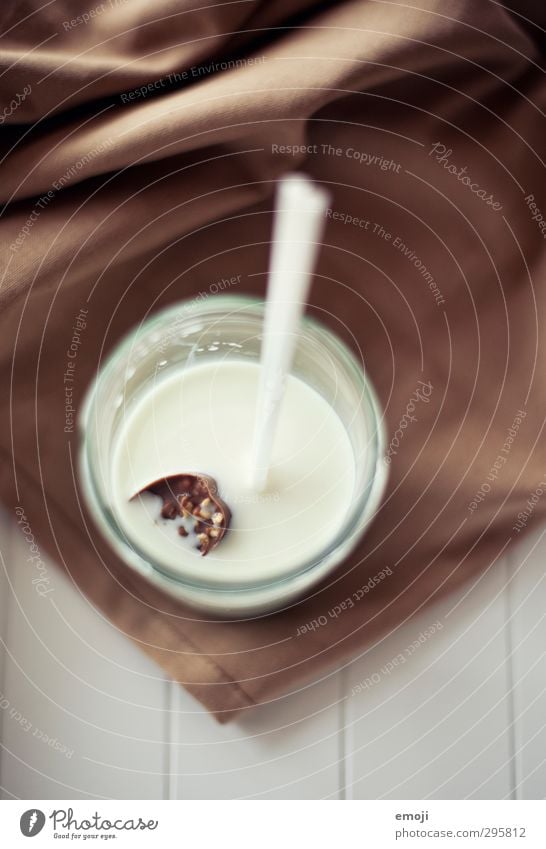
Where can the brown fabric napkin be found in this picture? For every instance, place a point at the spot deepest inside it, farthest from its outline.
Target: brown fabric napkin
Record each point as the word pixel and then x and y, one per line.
pixel 140 143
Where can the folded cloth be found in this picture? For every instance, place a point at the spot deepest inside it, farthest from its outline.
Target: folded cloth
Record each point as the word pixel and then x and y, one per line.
pixel 140 144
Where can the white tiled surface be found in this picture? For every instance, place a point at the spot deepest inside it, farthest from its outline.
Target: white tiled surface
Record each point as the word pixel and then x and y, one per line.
pixel 528 635
pixel 462 715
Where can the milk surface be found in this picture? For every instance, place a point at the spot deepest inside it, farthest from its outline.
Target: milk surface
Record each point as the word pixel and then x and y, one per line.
pixel 201 420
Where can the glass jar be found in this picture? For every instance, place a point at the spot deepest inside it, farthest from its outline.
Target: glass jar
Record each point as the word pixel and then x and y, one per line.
pixel 198 331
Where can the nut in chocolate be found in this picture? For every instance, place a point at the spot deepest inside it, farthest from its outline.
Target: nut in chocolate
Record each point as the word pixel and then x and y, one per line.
pixel 194 497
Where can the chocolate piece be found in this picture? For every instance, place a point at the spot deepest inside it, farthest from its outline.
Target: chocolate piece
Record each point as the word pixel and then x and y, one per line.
pixel 196 497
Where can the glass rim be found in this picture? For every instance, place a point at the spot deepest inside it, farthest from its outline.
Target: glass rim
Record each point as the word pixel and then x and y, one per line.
pixel 359 516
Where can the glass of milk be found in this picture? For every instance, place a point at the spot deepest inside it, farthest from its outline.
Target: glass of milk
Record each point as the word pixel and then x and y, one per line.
pixel 178 395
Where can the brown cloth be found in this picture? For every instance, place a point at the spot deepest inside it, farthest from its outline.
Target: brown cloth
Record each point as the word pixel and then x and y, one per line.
pixel 140 143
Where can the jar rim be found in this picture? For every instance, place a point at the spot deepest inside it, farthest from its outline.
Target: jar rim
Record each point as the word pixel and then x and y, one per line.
pixel 358 518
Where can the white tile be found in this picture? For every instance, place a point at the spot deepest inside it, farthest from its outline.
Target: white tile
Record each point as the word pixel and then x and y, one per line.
pixel 5 540
pixel 436 724
pixel 528 636
pixel 287 749
pixel 70 675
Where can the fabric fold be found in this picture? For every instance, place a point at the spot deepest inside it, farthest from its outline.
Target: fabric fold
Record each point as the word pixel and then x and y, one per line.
pixel 424 121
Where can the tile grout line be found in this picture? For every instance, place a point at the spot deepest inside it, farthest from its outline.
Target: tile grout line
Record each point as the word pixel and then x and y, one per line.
pixel 342 735
pixel 167 760
pixel 171 782
pixel 510 677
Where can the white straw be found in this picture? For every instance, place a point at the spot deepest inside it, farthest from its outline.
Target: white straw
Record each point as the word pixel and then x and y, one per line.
pixel 297 228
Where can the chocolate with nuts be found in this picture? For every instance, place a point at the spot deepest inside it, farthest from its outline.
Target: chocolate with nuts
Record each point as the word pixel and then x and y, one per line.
pixel 196 497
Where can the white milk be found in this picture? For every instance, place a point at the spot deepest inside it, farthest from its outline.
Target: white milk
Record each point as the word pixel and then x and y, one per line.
pixel 201 420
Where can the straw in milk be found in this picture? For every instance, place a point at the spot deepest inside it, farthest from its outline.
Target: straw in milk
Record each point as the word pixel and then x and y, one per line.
pixel 298 222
